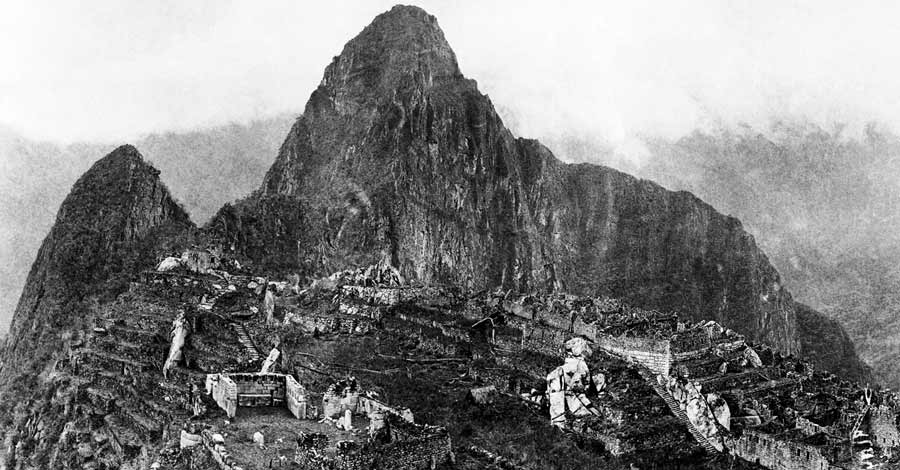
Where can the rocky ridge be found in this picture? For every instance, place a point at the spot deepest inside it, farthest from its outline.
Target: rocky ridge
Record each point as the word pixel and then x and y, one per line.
pixel 399 157
pixel 116 213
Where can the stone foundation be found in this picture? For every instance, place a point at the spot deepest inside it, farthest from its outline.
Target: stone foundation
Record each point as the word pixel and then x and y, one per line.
pixel 251 390
pixel 770 452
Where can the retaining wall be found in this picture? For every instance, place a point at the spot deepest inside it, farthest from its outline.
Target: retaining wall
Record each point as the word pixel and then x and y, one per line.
pixel 651 353
pixel 295 397
pixel 770 452
pixel 883 428
pixel 251 390
pixel 224 392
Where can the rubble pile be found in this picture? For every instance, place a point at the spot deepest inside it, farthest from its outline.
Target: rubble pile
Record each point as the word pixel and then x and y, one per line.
pixel 568 385
pixel 376 275
pixel 697 407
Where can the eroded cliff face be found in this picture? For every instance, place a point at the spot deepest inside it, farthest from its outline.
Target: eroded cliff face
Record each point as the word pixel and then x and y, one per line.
pixel 101 237
pixel 399 157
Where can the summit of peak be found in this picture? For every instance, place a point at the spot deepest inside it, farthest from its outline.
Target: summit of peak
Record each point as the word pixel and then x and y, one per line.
pixel 125 153
pixel 401 41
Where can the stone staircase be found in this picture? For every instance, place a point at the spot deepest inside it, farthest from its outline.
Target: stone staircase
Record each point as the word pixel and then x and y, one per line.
pixel 243 337
pixel 677 411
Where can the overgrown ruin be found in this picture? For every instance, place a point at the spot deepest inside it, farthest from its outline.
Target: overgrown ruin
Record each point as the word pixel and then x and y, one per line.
pixel 732 397
pixel 143 341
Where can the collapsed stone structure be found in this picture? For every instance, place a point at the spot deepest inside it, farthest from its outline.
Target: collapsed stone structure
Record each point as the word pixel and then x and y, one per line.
pixel 689 361
pixel 400 445
pixel 702 371
pixel 569 384
pixel 707 374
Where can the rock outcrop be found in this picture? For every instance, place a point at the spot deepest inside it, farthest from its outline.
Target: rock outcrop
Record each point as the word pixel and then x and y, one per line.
pixel 399 157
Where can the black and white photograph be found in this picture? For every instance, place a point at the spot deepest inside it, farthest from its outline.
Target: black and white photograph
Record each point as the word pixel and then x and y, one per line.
pixel 449 235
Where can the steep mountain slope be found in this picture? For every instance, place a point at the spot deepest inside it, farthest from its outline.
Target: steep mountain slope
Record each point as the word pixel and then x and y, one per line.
pixel 34 178
pixel 399 157
pixel 115 215
pixel 823 205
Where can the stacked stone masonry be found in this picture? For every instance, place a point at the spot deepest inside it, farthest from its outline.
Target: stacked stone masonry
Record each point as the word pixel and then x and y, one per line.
pixel 776 454
pixel 231 391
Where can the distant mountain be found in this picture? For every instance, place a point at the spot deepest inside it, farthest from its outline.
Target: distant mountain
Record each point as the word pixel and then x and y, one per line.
pixel 824 205
pixel 204 169
pixel 398 158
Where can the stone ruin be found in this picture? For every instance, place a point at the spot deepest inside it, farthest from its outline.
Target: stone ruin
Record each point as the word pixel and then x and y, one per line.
pixel 733 397
pixel 569 384
pixel 399 444
pixel 393 439
pixel 231 391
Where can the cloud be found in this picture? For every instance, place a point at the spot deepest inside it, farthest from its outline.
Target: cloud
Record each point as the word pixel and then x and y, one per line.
pixel 114 70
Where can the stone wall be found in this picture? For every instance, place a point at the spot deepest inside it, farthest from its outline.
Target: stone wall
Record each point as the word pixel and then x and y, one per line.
pixel 411 447
pixel 775 454
pixel 545 340
pixel 224 392
pixel 373 295
pixel 218 452
pixel 349 325
pixel 250 390
pixel 808 427
pixel 295 397
pixel 259 389
pixel 390 296
pixel 419 453
pixel 368 406
pixel 654 354
pixel 883 428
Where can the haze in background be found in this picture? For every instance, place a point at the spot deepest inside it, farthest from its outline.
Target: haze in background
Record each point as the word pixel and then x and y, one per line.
pixel 763 109
pixel 114 70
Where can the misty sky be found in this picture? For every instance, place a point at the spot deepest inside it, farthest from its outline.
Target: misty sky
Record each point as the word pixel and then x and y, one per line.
pixel 112 70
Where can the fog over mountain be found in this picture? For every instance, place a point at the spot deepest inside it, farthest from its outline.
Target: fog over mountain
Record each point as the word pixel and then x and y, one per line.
pixel 204 170
pixel 761 109
pixel 822 203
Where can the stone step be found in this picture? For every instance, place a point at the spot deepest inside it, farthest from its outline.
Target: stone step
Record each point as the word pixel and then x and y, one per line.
pixel 243 337
pixel 676 410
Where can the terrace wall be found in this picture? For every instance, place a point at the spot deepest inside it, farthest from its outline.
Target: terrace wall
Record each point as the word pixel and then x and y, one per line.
pixel 251 390
pixel 419 453
pixel 545 340
pixel 883 428
pixel 295 397
pixel 653 354
pixel 416 447
pixel 259 389
pixel 770 452
pixel 224 392
pixel 808 427
pixel 333 324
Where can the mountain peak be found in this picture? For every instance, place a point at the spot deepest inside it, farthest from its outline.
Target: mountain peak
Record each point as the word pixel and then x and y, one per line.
pixel 125 153
pixel 402 43
pixel 101 229
pixel 406 17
